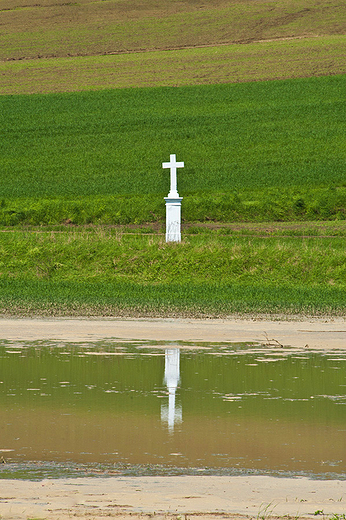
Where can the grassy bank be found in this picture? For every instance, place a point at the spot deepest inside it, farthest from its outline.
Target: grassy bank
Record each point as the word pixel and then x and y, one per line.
pixel 256 151
pixel 104 272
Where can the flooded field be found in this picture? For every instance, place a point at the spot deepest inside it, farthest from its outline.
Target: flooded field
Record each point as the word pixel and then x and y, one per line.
pixel 171 408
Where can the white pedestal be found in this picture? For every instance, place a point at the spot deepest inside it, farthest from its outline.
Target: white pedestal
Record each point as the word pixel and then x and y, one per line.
pixel 173 219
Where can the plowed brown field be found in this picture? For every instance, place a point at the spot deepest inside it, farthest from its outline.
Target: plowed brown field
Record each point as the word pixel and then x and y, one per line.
pixel 57 46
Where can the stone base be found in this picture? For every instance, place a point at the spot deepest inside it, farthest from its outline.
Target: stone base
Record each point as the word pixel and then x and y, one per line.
pixel 173 219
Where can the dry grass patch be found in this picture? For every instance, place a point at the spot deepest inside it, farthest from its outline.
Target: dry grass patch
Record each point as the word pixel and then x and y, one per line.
pixel 89 27
pixel 83 40
pixel 284 59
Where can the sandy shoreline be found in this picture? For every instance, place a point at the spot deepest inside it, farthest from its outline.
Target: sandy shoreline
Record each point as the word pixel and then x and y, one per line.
pixel 209 497
pixel 314 333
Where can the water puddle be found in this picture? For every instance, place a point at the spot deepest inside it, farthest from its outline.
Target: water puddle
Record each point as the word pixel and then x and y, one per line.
pixel 143 408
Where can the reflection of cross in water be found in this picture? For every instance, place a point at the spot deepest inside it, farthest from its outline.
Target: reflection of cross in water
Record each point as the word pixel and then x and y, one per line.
pixel 172 376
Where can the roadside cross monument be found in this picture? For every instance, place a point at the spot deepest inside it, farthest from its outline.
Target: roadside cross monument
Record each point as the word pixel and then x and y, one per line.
pixel 173 203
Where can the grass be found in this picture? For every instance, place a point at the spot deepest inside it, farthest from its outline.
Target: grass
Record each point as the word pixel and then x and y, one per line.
pixel 103 272
pixel 49 298
pixel 266 511
pixel 256 151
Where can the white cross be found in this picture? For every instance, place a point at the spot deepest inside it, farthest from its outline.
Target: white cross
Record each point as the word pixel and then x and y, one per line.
pixel 173 165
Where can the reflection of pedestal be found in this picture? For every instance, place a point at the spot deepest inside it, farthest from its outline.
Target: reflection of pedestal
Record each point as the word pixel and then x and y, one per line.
pixel 171 414
pixel 173 219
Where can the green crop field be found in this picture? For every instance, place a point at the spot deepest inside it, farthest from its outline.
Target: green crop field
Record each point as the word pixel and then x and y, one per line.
pixel 252 152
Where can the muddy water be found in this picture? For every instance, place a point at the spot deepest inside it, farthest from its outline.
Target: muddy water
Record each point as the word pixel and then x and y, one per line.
pixel 216 408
